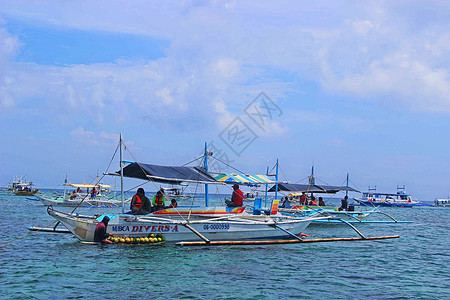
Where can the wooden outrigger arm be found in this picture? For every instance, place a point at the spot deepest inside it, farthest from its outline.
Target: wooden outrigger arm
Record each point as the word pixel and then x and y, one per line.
pixel 286 231
pixel 353 227
pixel 185 224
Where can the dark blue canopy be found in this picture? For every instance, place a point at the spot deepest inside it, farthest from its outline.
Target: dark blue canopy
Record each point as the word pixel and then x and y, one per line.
pixel 311 188
pixel 167 174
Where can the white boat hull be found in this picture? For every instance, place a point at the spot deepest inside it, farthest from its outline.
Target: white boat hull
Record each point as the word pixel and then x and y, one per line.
pixel 173 230
pixel 99 202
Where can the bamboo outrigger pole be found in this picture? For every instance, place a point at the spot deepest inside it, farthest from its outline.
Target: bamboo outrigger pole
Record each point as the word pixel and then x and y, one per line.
pixel 121 173
pixel 225 243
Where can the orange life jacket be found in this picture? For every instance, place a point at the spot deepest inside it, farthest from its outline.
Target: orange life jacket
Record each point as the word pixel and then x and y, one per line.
pixel 138 201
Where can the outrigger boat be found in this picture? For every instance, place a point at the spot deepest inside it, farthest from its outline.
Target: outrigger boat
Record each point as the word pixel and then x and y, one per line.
pixel 24 189
pixel 337 215
pixel 211 225
pixel 181 224
pixel 400 199
pixel 79 197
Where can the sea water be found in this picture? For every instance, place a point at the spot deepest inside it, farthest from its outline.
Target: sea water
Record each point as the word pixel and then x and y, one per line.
pixel 49 265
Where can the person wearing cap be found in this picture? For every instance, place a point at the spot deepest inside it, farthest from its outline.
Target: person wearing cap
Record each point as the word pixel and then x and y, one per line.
pixel 100 234
pixel 237 198
pixel 140 204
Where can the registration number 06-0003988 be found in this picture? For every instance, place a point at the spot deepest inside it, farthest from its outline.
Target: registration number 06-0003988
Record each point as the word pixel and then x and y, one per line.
pixel 216 226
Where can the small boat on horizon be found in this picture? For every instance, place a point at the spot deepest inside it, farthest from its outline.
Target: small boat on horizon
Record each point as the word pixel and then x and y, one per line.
pixel 20 187
pixel 399 199
pixel 175 193
pixel 442 202
pixel 83 194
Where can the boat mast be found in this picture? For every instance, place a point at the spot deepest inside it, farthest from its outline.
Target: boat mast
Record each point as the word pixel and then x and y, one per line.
pixel 276 184
pixel 205 165
pixel 312 180
pixel 265 199
pixel 121 171
pixel 346 192
pixel 65 187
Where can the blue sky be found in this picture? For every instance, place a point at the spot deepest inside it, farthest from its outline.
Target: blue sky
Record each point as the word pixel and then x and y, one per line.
pixel 361 88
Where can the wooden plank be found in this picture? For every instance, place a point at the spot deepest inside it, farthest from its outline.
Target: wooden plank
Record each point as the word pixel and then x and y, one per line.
pixel 223 243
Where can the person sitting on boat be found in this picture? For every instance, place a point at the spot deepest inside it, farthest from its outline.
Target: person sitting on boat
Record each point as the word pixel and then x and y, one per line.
pixel 140 204
pixel 100 234
pixel 344 203
pixel 303 199
pixel 159 201
pixel 73 195
pixel 286 203
pixel 321 202
pixel 173 203
pixel 79 190
pixel 313 201
pixel 237 198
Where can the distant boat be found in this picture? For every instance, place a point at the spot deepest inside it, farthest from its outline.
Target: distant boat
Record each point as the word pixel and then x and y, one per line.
pixel 399 199
pixel 21 187
pixel 175 193
pixel 82 195
pixel 442 202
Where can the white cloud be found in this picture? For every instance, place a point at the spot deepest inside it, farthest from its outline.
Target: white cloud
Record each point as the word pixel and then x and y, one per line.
pixel 226 67
pixel 164 93
pixel 226 50
pixel 82 135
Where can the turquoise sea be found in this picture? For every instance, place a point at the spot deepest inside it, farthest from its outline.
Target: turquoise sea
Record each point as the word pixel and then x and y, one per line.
pixel 58 266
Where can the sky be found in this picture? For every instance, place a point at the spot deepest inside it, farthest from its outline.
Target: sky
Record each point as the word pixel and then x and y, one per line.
pixel 357 87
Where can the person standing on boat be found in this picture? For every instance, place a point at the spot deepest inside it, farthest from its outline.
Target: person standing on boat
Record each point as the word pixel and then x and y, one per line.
pixel 100 234
pixel 237 198
pixel 140 204
pixel 159 201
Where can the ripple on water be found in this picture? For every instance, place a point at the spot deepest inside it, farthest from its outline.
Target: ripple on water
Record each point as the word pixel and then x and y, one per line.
pixel 414 266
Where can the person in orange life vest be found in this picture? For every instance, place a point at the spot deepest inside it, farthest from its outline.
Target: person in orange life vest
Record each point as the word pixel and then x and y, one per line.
pixel 321 202
pixel 237 198
pixel 159 201
pixel 173 203
pixel 303 199
pixel 100 234
pixel 140 204
pixel 313 201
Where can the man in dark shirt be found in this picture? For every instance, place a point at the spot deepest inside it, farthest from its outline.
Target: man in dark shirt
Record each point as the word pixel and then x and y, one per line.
pixel 100 234
pixel 140 204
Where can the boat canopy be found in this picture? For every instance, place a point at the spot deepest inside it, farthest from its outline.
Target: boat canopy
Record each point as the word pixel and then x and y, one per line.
pixel 87 185
pixel 166 174
pixel 250 180
pixel 311 188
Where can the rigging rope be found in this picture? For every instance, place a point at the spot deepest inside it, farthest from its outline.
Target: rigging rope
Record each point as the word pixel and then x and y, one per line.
pixel 27 234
